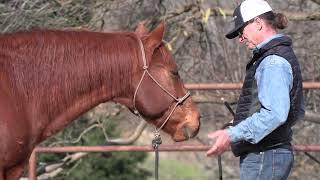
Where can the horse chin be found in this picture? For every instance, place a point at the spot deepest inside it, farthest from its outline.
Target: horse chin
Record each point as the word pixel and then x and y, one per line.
pixel 179 137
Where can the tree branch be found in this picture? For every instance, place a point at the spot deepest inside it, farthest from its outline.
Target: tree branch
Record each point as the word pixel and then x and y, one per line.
pixel 312 117
pixel 132 138
pixel 316 1
pixel 52 170
pixel 296 16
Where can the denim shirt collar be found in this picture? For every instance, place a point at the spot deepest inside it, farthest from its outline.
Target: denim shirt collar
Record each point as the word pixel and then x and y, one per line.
pixel 267 40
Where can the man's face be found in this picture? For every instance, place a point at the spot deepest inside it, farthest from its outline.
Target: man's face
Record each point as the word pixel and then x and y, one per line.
pixel 248 35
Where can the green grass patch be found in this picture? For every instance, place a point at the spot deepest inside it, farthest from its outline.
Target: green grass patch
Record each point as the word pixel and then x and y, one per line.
pixel 174 169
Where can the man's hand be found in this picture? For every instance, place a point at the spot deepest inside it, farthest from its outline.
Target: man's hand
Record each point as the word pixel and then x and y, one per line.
pixel 222 142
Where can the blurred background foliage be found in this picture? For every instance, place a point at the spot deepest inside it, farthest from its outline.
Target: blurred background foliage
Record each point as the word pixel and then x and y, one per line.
pixel 98 166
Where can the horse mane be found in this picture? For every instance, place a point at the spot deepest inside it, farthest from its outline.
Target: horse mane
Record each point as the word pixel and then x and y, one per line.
pixel 53 65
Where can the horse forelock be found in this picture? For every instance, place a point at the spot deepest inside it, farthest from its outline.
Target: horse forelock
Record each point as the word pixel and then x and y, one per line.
pixel 54 65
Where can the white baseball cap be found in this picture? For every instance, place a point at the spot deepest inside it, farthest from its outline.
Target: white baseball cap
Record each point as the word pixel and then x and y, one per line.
pixel 246 11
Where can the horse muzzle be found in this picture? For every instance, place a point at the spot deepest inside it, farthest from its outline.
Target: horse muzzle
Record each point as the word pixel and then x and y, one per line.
pixel 187 130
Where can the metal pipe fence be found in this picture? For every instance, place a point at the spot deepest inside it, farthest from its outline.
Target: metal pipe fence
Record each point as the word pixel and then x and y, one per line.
pixel 132 148
pixel 167 148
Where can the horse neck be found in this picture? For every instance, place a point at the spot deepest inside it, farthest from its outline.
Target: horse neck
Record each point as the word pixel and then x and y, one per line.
pixel 106 73
pixel 75 71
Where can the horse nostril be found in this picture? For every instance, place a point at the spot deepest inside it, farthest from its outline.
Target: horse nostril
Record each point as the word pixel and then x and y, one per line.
pixel 186 132
pixel 189 132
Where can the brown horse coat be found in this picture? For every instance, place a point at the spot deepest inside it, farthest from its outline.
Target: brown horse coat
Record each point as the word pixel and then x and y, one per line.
pixel 49 78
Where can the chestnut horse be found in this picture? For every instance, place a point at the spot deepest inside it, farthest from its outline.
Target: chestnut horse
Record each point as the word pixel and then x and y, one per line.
pixel 49 78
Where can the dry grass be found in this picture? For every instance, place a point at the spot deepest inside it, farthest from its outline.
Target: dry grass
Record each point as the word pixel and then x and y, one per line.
pixel 17 15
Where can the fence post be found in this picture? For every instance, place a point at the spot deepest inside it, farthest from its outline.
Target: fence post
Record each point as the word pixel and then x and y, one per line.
pixel 32 166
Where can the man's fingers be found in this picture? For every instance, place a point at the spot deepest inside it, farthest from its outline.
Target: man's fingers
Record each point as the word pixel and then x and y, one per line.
pixel 222 141
pixel 212 150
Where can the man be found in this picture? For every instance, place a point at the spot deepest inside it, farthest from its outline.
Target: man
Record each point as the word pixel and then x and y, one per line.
pixel 271 99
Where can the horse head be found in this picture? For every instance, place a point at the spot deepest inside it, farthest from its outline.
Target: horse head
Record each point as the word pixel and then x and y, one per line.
pixel 160 96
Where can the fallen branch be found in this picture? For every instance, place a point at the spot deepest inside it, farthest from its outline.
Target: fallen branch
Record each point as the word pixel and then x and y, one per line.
pixel 312 117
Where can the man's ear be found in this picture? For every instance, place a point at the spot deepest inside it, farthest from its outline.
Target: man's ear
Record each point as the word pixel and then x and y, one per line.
pixel 259 23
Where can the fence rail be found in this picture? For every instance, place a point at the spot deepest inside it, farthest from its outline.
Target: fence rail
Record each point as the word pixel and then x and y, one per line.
pixel 149 148
pixel 235 86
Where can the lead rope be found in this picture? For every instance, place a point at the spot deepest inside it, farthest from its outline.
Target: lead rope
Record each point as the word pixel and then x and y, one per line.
pixel 224 127
pixel 155 144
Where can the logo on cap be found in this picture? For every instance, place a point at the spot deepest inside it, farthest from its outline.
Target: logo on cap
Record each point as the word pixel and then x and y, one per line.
pixel 235 17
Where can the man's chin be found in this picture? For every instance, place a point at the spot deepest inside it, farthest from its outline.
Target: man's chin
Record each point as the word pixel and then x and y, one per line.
pixel 250 47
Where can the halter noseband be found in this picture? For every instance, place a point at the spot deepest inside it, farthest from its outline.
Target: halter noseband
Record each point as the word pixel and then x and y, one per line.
pixel 145 71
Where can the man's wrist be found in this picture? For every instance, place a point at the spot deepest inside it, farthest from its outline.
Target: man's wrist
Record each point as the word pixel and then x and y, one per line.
pixel 234 137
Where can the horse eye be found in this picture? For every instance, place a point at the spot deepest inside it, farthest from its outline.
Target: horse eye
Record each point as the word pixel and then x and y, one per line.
pixel 175 73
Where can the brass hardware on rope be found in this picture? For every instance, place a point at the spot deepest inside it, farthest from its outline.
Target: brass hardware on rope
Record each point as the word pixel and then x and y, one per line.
pixel 155 144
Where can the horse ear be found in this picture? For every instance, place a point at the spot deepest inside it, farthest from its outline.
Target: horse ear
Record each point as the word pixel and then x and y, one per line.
pixel 154 38
pixel 141 30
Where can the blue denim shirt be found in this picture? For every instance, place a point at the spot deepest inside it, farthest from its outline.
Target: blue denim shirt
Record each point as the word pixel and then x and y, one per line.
pixel 274 80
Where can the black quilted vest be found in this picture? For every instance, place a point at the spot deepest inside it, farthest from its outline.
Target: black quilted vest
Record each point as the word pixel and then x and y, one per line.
pixel 248 102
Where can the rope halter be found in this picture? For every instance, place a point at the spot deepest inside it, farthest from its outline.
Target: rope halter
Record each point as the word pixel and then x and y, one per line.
pixel 178 100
